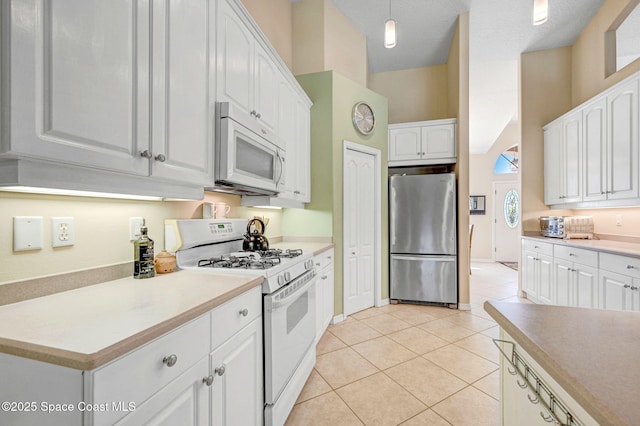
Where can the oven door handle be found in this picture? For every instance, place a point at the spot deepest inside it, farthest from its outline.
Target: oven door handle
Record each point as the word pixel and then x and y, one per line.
pixel 300 285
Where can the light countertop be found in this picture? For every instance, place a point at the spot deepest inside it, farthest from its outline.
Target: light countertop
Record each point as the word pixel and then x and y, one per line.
pixel 591 353
pixel 608 246
pixel 90 326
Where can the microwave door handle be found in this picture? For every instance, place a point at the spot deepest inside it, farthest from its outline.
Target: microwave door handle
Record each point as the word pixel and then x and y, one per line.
pixel 281 163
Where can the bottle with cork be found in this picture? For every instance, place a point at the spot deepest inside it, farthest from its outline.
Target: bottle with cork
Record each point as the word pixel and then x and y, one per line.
pixel 143 266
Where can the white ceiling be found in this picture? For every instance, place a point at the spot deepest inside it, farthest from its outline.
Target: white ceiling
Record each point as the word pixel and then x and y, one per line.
pixel 499 31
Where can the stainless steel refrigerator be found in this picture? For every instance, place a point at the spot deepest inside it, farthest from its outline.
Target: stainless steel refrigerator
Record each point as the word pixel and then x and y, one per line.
pixel 423 238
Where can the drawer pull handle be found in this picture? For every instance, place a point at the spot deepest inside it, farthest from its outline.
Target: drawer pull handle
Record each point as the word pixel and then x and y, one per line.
pixel 170 360
pixel 208 380
pixel 631 267
pixel 244 312
pixel 220 370
pixel 533 400
pixel 536 247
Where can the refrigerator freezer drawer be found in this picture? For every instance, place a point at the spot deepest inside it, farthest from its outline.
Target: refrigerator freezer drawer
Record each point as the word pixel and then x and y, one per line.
pixel 424 278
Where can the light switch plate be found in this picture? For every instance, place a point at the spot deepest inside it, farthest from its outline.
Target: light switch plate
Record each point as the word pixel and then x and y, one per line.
pixel 27 233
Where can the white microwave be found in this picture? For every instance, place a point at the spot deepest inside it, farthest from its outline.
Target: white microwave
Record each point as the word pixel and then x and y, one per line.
pixel 247 163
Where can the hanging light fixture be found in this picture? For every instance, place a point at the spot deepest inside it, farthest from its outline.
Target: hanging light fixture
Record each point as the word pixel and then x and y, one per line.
pixel 390 31
pixel 540 11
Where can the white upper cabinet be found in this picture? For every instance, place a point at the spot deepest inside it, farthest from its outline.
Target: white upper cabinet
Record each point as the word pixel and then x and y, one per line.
pixel 422 143
pixel 593 161
pixel 247 76
pixel 117 86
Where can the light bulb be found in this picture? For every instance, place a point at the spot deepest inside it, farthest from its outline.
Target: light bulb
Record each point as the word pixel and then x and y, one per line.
pixel 390 33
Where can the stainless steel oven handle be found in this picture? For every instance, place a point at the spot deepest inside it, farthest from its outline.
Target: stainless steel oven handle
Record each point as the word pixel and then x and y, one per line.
pixel 309 277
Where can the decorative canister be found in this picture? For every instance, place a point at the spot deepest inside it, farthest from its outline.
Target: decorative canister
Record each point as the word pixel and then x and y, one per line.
pixel 165 262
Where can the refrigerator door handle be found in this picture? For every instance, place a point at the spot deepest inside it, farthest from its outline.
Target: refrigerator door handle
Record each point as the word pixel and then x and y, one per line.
pixel 429 258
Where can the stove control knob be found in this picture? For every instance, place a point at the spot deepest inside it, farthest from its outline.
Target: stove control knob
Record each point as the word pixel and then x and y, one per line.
pixel 287 275
pixel 280 280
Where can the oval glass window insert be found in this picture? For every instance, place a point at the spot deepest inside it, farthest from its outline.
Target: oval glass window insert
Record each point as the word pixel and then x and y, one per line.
pixel 512 208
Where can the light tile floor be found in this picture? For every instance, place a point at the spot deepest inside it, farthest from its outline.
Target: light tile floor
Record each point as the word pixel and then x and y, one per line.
pixel 411 364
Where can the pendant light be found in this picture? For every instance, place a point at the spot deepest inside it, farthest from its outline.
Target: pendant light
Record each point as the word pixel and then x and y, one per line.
pixel 390 31
pixel 540 11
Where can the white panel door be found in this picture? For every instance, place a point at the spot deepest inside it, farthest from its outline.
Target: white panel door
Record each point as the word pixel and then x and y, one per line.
pixel 79 76
pixel 529 274
pixel 613 291
pixel 586 286
pixel 623 142
pixel 572 158
pixel 545 279
pixel 265 89
pixel 405 144
pixel 182 121
pixel 553 186
pixel 563 278
pixel 359 232
pixel 438 142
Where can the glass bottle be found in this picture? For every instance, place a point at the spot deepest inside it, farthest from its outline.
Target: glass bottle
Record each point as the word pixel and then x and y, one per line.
pixel 143 266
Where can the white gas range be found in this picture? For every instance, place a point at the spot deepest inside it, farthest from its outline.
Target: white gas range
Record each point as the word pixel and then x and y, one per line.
pixel 288 299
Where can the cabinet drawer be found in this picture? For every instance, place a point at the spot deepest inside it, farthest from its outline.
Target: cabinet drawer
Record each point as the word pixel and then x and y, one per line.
pixel 585 257
pixel 228 319
pixel 624 265
pixel 324 259
pixel 141 373
pixel 538 246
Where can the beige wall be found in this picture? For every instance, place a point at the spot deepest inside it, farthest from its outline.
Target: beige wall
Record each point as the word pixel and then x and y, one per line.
pixel 545 94
pixel 274 17
pixel 588 69
pixel 101 228
pixel 325 40
pixel 481 179
pixel 415 94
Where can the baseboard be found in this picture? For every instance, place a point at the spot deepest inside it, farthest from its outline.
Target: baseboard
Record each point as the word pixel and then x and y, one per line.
pixel 338 318
pixel 382 303
pixel 464 306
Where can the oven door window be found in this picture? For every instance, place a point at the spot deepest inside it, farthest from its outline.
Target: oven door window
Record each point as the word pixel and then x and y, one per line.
pixel 297 311
pixel 254 160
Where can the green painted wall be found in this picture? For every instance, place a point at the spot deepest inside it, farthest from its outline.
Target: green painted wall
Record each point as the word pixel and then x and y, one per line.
pixel 333 97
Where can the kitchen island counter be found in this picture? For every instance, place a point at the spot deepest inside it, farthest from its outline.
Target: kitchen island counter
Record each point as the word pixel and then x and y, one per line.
pixel 90 326
pixel 590 353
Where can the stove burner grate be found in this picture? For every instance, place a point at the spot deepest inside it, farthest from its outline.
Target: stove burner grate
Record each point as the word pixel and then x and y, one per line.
pixel 251 261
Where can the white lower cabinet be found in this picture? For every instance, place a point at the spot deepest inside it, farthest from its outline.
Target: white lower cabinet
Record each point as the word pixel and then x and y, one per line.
pixel 237 389
pixel 537 271
pixel 208 371
pixel 619 282
pixel 324 291
pixel 575 273
pixel 523 398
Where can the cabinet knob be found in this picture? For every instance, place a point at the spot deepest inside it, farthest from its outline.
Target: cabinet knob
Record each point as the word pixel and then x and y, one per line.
pixel 220 370
pixel 253 113
pixel 296 192
pixel 633 287
pixel 161 158
pixel 258 115
pixel 329 257
pixel 244 312
pixel 571 254
pixel 146 154
pixel 170 360
pixel 324 277
pixel 626 286
pixel 317 264
pixel 423 153
pixel 630 267
pixel 208 380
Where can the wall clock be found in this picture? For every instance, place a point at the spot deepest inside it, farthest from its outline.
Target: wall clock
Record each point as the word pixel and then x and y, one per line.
pixel 363 118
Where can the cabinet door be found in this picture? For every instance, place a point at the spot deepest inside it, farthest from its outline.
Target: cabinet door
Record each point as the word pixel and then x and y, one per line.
pixel 184 401
pixel 405 144
pixel 237 390
pixel 545 279
pixel 79 82
pixel 183 82
pixel 613 289
pixel 553 164
pixel 585 287
pixel 563 274
pixel 594 136
pixel 438 142
pixel 235 59
pixel 328 282
pixel 265 91
pixel 572 158
pixel 303 153
pixel 622 140
pixel 529 275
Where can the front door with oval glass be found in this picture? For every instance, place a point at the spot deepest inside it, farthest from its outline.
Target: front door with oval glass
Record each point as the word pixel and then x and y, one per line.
pixel 506 221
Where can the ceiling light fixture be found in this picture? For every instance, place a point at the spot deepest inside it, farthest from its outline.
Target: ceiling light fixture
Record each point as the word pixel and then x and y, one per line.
pixel 390 31
pixel 540 11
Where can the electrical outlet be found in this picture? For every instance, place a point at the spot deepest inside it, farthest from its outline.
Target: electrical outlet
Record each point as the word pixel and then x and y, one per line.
pixel 62 232
pixel 134 227
pixel 618 220
pixel 27 233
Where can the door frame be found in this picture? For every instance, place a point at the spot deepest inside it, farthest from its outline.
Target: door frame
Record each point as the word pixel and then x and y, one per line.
pixel 377 221
pixel 495 214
